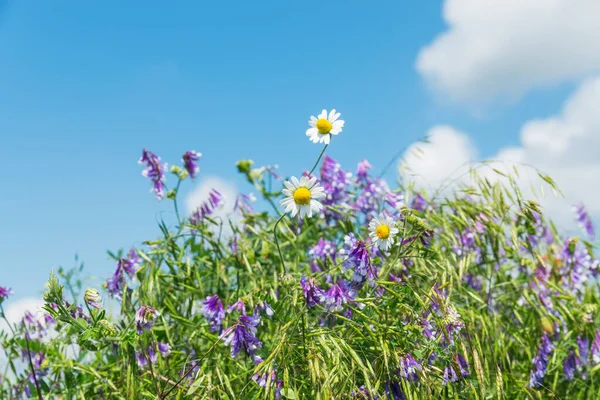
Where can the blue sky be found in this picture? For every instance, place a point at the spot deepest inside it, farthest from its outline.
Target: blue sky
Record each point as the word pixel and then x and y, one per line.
pixel 85 85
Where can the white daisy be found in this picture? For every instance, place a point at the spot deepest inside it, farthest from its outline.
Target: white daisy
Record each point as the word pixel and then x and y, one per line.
pixel 382 230
pixel 324 126
pixel 302 196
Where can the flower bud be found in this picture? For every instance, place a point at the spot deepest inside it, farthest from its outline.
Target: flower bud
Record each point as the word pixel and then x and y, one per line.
pixel 92 298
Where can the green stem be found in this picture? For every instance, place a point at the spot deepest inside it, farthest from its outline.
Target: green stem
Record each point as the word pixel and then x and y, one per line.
pixel 277 243
pixel 35 380
pixel 318 159
pixel 175 204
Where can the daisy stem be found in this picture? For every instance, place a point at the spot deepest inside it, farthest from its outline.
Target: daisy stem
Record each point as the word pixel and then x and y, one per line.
pixel 277 243
pixel 318 159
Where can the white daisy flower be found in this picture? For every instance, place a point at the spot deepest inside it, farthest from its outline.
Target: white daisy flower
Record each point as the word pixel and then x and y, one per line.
pixel 382 230
pixel 324 126
pixel 302 196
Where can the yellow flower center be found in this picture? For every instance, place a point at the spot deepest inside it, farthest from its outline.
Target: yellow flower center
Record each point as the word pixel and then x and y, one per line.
pixel 324 126
pixel 302 196
pixel 383 232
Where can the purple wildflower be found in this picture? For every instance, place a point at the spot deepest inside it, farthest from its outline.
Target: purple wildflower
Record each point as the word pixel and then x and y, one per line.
pixel 360 263
pixel 335 297
pixel 409 368
pixel 144 318
pixel 126 266
pixel 393 391
pixel 243 203
pixel 569 366
pixel 189 160
pixel 583 345
pixel 584 220
pixel 141 359
pixel 212 309
pixel 540 362
pixel 239 306
pixel 596 348
pixel 462 364
pixel 155 172
pixel 362 172
pixel 264 307
pixel 4 293
pixel 419 203
pixel 242 336
pixel 323 251
pixel 164 348
pixel 449 375
pixel 312 293
pixel 215 200
pixel 336 183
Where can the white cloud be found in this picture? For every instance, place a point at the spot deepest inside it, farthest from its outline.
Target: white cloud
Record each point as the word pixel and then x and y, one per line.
pixel 15 310
pixel 506 47
pixel 201 193
pixel 565 146
pixel 447 152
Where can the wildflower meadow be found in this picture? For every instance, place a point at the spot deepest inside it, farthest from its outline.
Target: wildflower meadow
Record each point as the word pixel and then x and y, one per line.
pixel 343 286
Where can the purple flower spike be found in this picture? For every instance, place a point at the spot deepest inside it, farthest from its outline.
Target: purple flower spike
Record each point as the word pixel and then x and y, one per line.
pixel 243 336
pixel 409 368
pixel 449 375
pixel 584 220
pixel 596 348
pixel 215 200
pixel 144 318
pixel 570 364
pixel 462 365
pixel 164 348
pixel 335 297
pixel 540 362
pixel 155 171
pixel 189 160
pixel 4 293
pixel 312 293
pixel 212 309
pixel 360 262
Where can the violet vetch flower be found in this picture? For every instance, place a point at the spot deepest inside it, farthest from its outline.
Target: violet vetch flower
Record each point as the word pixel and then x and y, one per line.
pixel 4 293
pixel 164 348
pixel 312 293
pixel 540 362
pixel 323 251
pixel 393 391
pixel 141 359
pixel 264 307
pixel 362 172
pixel 569 366
pixel 189 160
pixel 462 364
pixel 336 297
pixel 596 348
pixel 584 220
pixel 336 183
pixel 239 306
pixel 449 375
pixel 212 310
pixel 243 203
pixel 125 267
pixel 583 345
pixel 155 171
pixel 144 318
pixel 409 368
pixel 215 200
pixel 418 203
pixel 360 263
pixel 92 298
pixel 242 336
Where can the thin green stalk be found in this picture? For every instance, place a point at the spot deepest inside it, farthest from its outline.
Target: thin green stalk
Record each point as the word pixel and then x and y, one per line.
pixel 318 159
pixel 277 243
pixel 35 380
